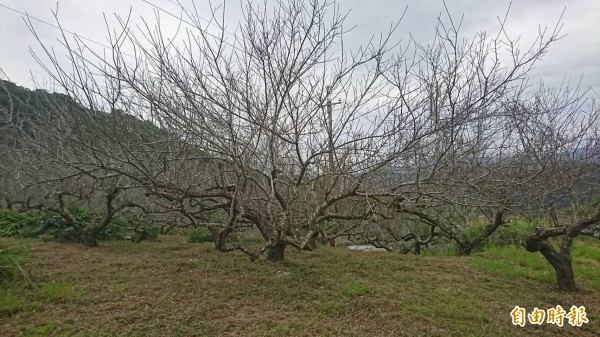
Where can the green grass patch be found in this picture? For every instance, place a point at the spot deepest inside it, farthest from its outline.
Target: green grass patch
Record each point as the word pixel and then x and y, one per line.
pixel 16 299
pixel 58 329
pixel 40 331
pixel 586 249
pixel 515 262
pixel 11 301
pixel 511 234
pixel 284 329
pixel 12 264
pixel 172 288
pixel 586 261
pixel 354 288
pixel 250 239
pixel 58 291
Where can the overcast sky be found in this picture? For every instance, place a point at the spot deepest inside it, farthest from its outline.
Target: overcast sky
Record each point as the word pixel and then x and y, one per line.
pixel 576 55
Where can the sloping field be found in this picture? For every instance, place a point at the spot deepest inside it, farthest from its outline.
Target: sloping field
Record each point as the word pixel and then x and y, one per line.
pixel 172 288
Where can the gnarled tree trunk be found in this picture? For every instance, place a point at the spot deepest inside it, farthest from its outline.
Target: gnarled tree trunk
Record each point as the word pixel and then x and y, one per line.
pixel 275 251
pixel 559 260
pixel 562 265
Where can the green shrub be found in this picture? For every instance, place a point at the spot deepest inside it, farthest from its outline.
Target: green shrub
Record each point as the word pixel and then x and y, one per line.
pixel 115 231
pixel 151 233
pixel 12 262
pixel 13 222
pixel 199 235
pixel 55 226
pixel 472 231
pixel 513 234
pixel 49 224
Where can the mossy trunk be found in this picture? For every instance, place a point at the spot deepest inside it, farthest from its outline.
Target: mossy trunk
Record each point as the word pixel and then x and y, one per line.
pixel 275 252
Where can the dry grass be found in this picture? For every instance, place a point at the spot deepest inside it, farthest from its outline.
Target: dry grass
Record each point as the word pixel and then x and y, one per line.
pixel 172 288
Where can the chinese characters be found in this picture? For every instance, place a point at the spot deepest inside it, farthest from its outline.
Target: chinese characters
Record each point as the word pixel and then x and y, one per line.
pixel 557 315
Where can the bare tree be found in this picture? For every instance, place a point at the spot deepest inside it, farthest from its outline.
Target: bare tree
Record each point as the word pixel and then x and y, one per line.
pixel 566 144
pixel 254 109
pixel 475 167
pixel 278 125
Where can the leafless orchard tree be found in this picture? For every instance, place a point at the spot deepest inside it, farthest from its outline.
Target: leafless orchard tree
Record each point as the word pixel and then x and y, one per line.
pixel 261 105
pixel 564 145
pixel 278 125
pixel 513 177
pixel 476 165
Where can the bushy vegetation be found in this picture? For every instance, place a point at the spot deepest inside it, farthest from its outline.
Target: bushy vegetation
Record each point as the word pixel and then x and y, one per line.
pixel 14 223
pixel 12 261
pixel 144 234
pixel 199 235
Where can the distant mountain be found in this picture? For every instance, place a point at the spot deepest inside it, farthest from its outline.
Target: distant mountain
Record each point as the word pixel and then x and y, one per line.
pixel 17 99
pixel 22 109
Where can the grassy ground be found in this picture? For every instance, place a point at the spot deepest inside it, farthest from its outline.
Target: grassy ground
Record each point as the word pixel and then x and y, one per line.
pixel 173 288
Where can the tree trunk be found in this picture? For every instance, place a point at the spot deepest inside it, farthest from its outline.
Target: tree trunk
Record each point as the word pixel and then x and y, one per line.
pixel 560 261
pixel 565 278
pixel 275 252
pixel 89 238
pixel 417 248
pixel 220 237
pixel 464 249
